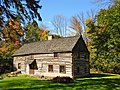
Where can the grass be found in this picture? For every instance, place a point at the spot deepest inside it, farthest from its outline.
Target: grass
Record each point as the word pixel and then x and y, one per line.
pixel 94 82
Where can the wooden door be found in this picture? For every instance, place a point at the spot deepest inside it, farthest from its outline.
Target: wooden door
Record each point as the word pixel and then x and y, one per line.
pixel 31 71
pixel 31 68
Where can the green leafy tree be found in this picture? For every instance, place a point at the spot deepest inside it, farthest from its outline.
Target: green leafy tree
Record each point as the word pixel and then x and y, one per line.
pixel 105 36
pixel 11 32
pixel 34 33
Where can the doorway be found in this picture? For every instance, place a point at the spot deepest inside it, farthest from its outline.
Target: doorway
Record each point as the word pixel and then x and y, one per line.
pixel 33 67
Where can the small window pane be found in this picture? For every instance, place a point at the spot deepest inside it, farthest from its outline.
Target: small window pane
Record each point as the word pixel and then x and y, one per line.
pixel 86 56
pixel 82 55
pixel 50 68
pixel 62 69
pixel 55 54
pixel 78 69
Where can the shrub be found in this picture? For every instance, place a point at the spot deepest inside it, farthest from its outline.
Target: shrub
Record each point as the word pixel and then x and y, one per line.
pixel 8 75
pixel 4 76
pixel 1 77
pixel 117 69
pixel 62 80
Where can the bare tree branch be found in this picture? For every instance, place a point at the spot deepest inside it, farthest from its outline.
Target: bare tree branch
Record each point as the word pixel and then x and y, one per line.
pixel 60 25
pixel 75 25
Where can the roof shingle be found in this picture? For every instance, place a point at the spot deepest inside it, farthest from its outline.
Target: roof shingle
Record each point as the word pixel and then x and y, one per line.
pixel 50 46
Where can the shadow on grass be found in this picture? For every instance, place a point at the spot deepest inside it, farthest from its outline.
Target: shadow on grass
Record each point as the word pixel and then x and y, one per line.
pixel 101 84
pixel 99 75
pixel 95 84
pixel 79 84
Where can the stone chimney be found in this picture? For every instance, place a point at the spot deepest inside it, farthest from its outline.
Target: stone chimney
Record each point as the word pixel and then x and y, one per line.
pixel 50 37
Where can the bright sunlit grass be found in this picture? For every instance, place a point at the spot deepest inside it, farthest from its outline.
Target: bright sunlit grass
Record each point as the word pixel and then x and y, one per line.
pixel 94 82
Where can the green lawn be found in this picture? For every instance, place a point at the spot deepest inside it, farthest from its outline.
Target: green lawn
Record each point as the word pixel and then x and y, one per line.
pixel 94 82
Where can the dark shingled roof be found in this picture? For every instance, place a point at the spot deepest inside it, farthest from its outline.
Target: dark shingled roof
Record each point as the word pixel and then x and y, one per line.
pixel 50 46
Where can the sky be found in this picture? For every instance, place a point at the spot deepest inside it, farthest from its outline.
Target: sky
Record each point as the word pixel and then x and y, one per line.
pixel 67 8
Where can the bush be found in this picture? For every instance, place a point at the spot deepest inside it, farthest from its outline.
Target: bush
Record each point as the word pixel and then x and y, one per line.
pixel 8 75
pixel 62 80
pixel 4 76
pixel 117 69
pixel 1 77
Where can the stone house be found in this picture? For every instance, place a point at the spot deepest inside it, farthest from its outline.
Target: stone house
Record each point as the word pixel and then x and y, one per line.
pixel 67 56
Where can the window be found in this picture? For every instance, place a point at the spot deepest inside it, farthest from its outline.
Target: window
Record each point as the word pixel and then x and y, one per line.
pixel 62 69
pixel 55 54
pixel 19 65
pixel 50 68
pixel 82 55
pixel 85 69
pixel 86 56
pixel 78 69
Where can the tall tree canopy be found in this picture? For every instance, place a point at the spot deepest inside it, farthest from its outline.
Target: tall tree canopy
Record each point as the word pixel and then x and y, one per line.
pixel 26 9
pixel 11 36
pixel 105 36
pixel 34 33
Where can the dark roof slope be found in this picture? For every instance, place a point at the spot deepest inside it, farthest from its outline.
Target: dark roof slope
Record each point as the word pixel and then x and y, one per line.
pixel 50 46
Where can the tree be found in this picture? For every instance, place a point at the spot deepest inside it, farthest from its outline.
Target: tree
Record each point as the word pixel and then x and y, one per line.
pixel 11 36
pixel 75 25
pixel 104 3
pixel 60 25
pixel 12 31
pixel 34 33
pixel 108 1
pixel 80 19
pixel 25 9
pixel 105 36
pixel 11 39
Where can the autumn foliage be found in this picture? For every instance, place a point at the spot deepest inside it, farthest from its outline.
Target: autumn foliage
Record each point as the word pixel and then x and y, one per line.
pixel 13 36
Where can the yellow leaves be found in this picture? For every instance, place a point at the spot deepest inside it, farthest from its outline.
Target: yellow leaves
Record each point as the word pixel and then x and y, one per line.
pixel 44 34
pixel 5 31
pixel 12 30
pixel 88 43
pixel 87 29
pixel 17 23
pixel 103 29
pixel 11 38
pixel 10 23
pixel 89 20
pixel 17 44
pixel 20 32
pixel 7 49
pixel 13 23
pixel 89 35
pixel 87 32
pixel 3 49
